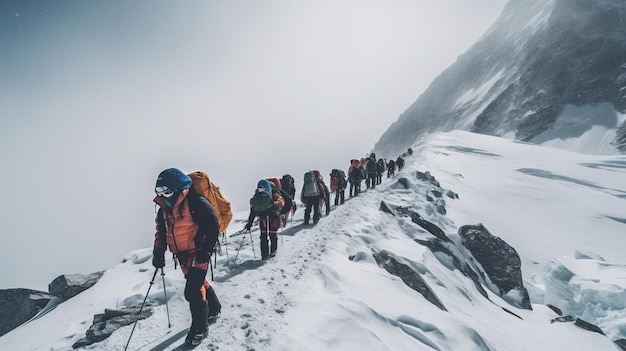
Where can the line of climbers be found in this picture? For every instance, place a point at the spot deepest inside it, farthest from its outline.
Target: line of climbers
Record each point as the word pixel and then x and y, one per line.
pixel 371 170
pixel 192 212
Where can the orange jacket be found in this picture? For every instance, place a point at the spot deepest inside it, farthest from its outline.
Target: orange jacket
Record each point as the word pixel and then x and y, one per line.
pixel 175 227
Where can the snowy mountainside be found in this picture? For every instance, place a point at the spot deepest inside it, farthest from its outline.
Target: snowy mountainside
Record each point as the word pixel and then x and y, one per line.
pixel 325 290
pixel 530 77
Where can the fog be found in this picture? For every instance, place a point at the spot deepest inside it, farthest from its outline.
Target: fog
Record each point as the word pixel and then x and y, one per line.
pixel 97 97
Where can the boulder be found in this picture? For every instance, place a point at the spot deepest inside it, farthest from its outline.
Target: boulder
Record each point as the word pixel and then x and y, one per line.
pixel 69 285
pixel 106 323
pixel 20 305
pixel 497 262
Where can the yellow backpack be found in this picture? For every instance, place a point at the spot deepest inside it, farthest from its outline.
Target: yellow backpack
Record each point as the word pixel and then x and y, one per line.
pixel 203 186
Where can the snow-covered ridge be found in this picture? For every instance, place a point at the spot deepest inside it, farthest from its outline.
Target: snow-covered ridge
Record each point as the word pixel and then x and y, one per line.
pixel 325 290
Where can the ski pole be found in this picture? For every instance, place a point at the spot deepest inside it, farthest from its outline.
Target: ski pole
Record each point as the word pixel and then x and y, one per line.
pixel 167 309
pixel 240 245
pixel 141 308
pixel 226 245
pixel 252 244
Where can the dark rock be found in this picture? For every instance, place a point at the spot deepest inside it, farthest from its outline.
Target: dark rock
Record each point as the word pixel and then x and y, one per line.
pixel 451 194
pixel 457 259
pixel 386 208
pixel 621 343
pixel 426 176
pixel 588 326
pixel 409 276
pixel 20 305
pixel 430 227
pixel 568 318
pixel 111 320
pixel 404 182
pixel 555 309
pixel 69 285
pixel 579 323
pixel 500 263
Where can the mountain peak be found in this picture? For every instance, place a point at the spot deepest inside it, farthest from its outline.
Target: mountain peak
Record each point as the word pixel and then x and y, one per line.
pixel 518 80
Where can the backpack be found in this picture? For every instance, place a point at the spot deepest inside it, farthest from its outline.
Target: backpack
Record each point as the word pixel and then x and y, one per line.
pixel 288 201
pixel 310 187
pixel 262 198
pixel 342 177
pixel 276 182
pixel 380 165
pixel 339 177
pixel 355 173
pixel 203 186
pixel 370 166
pixel 288 184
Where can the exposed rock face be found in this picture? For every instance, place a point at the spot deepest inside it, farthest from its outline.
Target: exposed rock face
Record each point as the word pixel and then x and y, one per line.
pixel 106 323
pixel 70 285
pixel 539 57
pixel 498 262
pixel 19 305
pixel 409 276
pixel 457 259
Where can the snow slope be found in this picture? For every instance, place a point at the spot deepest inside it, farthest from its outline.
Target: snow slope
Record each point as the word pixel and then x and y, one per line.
pixel 324 291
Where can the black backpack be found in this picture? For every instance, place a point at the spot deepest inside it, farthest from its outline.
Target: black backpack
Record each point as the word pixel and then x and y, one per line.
pixel 356 174
pixel 341 176
pixel 288 185
pixel 310 187
pixel 288 201
pixel 370 166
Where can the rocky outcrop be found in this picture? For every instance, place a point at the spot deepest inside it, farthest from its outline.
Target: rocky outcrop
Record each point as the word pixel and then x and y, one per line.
pixel 409 276
pixel 498 264
pixel 19 305
pixel 111 320
pixel 69 285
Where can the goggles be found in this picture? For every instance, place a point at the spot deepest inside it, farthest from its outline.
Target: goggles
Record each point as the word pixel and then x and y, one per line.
pixel 164 191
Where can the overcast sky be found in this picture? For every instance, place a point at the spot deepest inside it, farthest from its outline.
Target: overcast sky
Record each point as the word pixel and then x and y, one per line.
pixel 97 97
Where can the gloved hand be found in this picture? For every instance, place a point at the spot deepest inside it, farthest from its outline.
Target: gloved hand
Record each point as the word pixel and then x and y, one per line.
pixel 248 226
pixel 158 259
pixel 202 256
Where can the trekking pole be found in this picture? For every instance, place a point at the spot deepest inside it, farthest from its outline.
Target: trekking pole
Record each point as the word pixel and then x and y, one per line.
pixel 167 309
pixel 240 245
pixel 141 308
pixel 252 244
pixel 226 244
pixel 211 266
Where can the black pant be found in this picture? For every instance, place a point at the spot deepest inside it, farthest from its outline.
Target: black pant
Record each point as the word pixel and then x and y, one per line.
pixel 340 196
pixel 269 229
pixel 312 203
pixel 355 187
pixel 203 301
pixel 371 180
pixel 197 302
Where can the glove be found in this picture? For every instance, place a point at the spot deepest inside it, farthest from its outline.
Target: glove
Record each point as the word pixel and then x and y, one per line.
pixel 248 226
pixel 158 259
pixel 202 256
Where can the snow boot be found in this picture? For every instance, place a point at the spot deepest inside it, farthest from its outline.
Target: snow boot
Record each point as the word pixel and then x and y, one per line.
pixel 194 337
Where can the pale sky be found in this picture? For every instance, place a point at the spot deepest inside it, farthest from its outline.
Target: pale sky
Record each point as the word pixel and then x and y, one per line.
pixel 97 97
